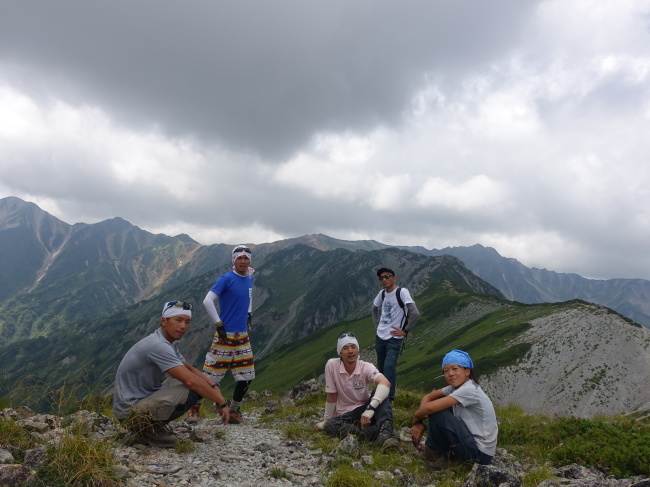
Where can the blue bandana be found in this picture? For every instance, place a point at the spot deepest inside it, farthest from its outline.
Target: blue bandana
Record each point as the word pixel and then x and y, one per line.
pixel 458 357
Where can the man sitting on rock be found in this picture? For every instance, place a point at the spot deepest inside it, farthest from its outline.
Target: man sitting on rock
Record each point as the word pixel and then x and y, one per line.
pixel 349 406
pixel 142 401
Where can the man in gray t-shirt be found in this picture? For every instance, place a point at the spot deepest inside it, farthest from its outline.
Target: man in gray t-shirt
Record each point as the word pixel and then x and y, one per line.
pixel 143 400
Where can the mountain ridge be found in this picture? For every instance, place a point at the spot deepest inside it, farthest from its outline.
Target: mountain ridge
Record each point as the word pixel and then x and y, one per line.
pixel 516 281
pixel 105 283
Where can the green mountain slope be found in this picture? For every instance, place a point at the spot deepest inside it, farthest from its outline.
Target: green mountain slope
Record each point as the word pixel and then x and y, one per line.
pixel 452 316
pixel 570 358
pixel 297 291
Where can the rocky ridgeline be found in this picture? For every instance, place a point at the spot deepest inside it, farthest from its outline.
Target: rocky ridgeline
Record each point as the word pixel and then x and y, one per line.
pixel 255 454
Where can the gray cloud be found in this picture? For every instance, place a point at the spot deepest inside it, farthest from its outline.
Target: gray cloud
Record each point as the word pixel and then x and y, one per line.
pixel 518 125
pixel 260 76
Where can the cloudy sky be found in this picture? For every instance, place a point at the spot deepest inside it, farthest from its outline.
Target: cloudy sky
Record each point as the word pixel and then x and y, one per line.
pixel 519 125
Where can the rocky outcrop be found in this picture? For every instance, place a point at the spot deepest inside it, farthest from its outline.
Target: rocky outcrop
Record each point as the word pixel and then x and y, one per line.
pixel 564 372
pixel 248 455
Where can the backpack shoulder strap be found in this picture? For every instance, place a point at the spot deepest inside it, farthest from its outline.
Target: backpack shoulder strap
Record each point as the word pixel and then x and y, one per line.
pixel 398 295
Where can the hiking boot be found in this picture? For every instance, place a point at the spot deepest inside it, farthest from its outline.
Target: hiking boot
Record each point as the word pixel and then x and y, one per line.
pixel 193 414
pixel 387 438
pixel 159 439
pixel 390 443
pixel 236 418
pixel 431 455
pixel 436 460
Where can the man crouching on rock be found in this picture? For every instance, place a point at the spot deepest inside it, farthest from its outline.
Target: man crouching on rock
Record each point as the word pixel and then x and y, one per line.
pixel 142 401
pixel 349 406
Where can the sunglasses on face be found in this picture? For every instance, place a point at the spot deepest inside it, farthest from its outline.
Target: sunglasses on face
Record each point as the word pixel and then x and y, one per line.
pixel 241 249
pixel 385 276
pixel 178 304
pixel 346 334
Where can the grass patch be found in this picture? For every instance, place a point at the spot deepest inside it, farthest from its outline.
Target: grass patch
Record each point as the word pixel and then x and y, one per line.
pixel 78 461
pixel 346 476
pixel 618 446
pixel 185 446
pixel 536 476
pixel 279 473
pixel 15 438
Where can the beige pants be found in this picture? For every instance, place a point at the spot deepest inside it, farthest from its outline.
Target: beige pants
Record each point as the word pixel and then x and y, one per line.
pixel 161 404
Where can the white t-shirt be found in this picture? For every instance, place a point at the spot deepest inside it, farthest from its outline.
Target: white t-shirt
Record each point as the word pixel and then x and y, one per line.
pixel 352 389
pixel 477 412
pixel 391 314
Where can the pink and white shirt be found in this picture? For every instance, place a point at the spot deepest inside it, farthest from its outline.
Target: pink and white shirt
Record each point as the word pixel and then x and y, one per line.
pixel 351 389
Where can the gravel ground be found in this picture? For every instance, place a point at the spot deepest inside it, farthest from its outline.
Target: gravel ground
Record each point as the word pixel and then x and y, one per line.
pixel 224 455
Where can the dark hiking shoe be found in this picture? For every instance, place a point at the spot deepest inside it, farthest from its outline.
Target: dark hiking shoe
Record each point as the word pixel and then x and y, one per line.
pixel 236 418
pixel 387 438
pixel 159 439
pixel 431 455
pixel 437 460
pixel 390 443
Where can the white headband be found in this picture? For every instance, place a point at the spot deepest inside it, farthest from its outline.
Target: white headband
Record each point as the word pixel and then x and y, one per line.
pixel 239 251
pixel 174 308
pixel 345 340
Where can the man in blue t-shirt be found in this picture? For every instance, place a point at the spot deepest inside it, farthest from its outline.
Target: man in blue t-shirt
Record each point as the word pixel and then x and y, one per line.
pixel 231 347
pixel 144 401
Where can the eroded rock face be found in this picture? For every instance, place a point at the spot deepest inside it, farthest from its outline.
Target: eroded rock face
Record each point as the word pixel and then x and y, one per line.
pixel 547 381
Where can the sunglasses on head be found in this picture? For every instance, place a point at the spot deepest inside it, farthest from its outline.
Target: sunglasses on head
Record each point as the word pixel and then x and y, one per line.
pixel 346 334
pixel 178 304
pixel 241 249
pixel 385 276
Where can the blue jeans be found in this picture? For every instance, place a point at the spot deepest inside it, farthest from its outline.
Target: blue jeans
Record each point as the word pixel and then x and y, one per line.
pixel 387 354
pixel 449 435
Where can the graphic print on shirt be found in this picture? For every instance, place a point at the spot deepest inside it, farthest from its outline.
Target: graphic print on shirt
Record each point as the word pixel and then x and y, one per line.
pixel 358 385
pixel 387 312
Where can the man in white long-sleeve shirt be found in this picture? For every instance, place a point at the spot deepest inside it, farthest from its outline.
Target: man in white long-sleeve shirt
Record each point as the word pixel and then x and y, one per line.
pixel 231 347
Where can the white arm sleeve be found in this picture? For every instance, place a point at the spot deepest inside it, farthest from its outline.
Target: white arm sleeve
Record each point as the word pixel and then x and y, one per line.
pixel 329 409
pixel 381 393
pixel 329 412
pixel 208 303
